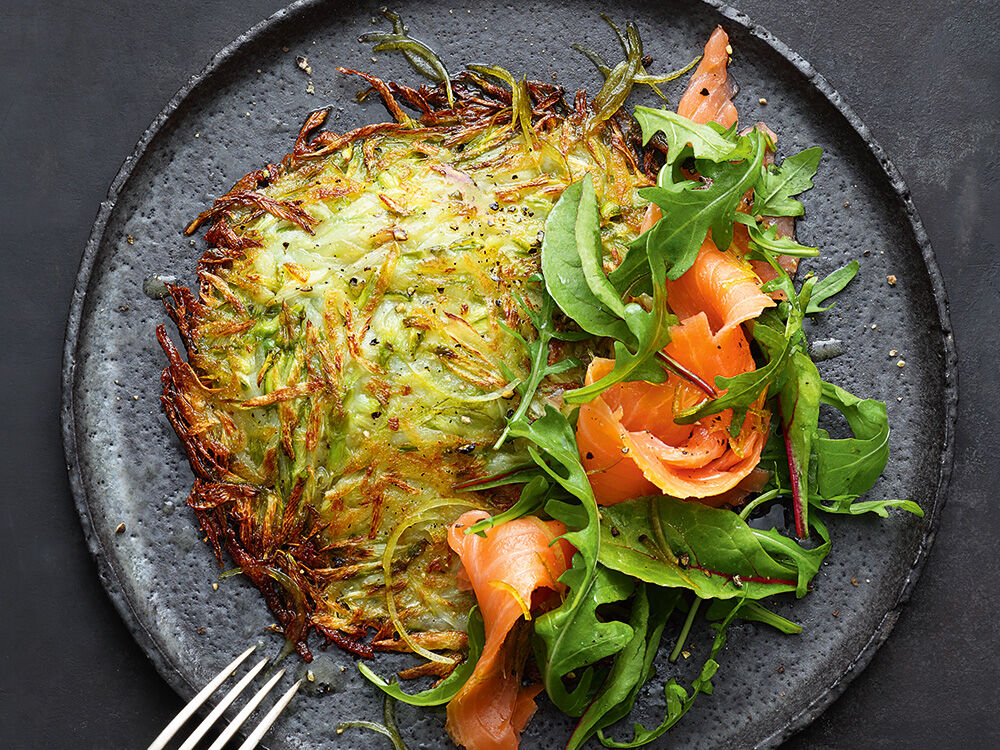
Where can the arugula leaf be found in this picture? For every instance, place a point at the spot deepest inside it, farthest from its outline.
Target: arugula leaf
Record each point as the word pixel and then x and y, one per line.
pixel 846 505
pixel 538 353
pixel 798 405
pixel 448 688
pixel 691 208
pixel 652 332
pixel 851 466
pixel 712 552
pixel 751 611
pixel 743 390
pixel 777 185
pixel 633 665
pixel 830 286
pixel 552 435
pixel 768 239
pixel 677 698
pixel 533 496
pixel 705 141
pixel 571 638
pixel 572 264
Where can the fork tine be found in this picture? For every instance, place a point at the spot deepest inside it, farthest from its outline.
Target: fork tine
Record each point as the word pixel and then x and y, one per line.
pixel 238 688
pixel 171 729
pixel 235 724
pixel 269 718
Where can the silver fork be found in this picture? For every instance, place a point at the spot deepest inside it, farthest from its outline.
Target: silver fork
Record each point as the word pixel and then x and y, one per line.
pixel 227 734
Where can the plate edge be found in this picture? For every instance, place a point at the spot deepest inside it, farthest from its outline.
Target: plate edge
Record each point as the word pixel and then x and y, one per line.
pixel 949 367
pixel 108 574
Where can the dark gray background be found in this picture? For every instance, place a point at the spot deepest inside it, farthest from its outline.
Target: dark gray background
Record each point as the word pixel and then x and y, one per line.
pixel 79 85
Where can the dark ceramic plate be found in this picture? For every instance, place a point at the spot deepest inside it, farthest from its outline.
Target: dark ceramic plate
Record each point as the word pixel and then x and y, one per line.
pixel 244 110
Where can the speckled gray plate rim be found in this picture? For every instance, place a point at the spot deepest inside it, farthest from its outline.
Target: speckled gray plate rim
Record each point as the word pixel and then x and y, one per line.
pixel 950 394
pixel 119 594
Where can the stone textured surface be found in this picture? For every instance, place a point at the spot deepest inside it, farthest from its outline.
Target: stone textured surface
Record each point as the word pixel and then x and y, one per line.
pixel 42 559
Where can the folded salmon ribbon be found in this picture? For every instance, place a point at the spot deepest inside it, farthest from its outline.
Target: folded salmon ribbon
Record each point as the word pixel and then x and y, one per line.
pixel 514 570
pixel 630 444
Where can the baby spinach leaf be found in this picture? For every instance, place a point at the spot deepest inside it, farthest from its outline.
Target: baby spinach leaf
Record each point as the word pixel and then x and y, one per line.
pixel 805 560
pixel 572 264
pixel 591 251
pixel 448 688
pixel 710 551
pixel 633 275
pixel 829 286
pixel 851 466
pixel 798 406
pixel 691 208
pixel 705 141
pixel 777 185
pixel 773 458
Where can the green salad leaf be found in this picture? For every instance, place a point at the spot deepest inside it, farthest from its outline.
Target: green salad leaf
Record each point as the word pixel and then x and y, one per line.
pixel 683 135
pixel 830 285
pixel 742 391
pixel 572 264
pixel 575 637
pixel 633 665
pixel 679 701
pixel 533 496
pixel 777 185
pixel 690 208
pixel 798 406
pixel 851 466
pixel 768 239
pixel 572 261
pixel 652 333
pixel 448 688
pixel 710 551
pixel 633 276
pixel 561 631
pixel 752 612
pixel 538 354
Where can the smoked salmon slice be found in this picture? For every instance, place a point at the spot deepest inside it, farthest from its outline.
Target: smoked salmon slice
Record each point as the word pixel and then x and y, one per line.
pixel 630 445
pixel 709 95
pixel 514 568
pixel 725 287
pixel 628 439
